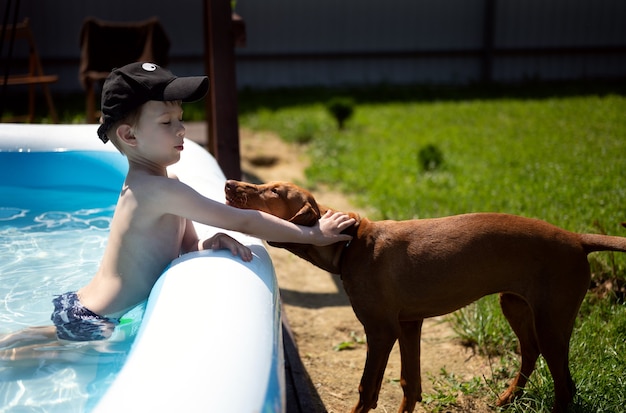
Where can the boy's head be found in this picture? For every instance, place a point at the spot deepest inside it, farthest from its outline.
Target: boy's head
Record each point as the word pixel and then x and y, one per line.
pixel 127 88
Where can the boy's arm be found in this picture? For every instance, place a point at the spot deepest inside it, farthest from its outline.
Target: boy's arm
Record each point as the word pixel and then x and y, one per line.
pixel 177 198
pixel 191 241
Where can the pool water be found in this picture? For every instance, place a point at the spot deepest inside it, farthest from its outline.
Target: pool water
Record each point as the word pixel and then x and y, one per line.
pixel 52 237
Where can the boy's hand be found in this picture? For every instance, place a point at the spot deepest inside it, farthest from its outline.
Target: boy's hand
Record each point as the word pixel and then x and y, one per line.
pixel 222 241
pixel 331 225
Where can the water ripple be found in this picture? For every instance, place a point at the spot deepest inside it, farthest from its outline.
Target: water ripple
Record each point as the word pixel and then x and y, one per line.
pixel 8 214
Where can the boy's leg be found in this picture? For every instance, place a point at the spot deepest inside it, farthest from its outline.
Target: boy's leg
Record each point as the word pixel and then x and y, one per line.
pixel 27 336
pixel 36 354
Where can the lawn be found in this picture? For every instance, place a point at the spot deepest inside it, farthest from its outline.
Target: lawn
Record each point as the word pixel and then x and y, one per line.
pixel 551 152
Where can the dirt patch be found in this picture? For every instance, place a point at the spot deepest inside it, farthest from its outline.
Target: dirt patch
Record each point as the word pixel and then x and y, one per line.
pixel 320 315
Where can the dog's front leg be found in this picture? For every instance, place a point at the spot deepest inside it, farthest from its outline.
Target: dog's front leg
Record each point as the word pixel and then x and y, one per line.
pixel 410 377
pixel 379 345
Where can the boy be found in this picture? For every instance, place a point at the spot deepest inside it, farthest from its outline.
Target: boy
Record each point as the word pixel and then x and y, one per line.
pixel 151 225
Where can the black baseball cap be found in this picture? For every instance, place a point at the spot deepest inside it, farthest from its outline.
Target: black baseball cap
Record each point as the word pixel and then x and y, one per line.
pixel 128 87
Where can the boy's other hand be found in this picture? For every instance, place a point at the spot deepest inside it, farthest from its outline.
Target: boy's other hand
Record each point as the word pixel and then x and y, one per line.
pixel 222 241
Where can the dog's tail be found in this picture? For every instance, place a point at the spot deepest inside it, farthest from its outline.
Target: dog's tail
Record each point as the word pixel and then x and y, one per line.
pixel 597 242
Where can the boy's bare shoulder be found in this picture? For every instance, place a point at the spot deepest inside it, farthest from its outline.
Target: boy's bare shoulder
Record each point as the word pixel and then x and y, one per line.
pixel 152 187
pixel 143 180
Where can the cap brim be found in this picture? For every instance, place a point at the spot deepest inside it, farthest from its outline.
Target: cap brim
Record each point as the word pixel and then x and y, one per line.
pixel 186 89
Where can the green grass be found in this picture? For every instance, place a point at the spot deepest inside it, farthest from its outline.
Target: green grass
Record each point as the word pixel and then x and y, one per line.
pixel 554 153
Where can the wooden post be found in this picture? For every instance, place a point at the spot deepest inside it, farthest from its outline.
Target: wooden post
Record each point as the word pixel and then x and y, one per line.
pixel 221 101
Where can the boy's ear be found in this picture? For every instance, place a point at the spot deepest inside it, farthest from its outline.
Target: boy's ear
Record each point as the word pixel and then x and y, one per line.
pixel 126 135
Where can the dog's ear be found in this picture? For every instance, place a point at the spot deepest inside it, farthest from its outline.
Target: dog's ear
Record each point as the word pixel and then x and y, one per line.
pixel 308 215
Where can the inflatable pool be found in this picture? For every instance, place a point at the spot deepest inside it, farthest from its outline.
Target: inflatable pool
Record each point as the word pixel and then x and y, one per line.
pixel 210 336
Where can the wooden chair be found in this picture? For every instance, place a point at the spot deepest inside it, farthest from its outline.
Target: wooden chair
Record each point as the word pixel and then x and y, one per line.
pixel 35 76
pixel 106 45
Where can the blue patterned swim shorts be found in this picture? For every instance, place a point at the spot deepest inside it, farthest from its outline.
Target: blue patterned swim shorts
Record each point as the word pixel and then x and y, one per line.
pixel 77 323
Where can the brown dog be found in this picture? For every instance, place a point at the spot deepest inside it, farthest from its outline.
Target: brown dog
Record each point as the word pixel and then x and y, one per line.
pixel 396 273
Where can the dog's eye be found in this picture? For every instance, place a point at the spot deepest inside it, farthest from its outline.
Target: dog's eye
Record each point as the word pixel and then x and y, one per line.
pixel 275 191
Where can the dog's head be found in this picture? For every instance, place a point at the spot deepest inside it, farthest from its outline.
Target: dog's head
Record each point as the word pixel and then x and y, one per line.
pixel 282 199
pixel 291 203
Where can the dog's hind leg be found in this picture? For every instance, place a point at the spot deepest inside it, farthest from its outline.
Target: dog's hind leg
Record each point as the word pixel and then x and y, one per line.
pixel 554 345
pixel 555 319
pixel 521 318
pixel 380 341
pixel 411 381
pixel 553 335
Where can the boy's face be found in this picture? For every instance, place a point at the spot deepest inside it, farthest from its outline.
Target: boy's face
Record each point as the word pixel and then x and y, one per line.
pixel 160 131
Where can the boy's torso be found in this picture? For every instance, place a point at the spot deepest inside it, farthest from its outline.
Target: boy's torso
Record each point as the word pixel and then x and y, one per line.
pixel 143 240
